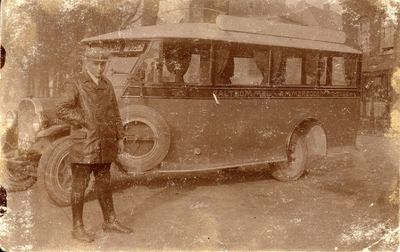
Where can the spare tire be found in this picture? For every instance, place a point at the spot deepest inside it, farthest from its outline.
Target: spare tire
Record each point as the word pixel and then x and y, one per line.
pixel 147 138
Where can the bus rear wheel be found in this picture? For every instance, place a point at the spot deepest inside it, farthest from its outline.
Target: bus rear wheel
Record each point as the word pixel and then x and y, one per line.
pixel 295 166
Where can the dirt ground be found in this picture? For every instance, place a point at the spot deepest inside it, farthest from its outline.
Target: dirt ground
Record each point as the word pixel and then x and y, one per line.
pixel 344 202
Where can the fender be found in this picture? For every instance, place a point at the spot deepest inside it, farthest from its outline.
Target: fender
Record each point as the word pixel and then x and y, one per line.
pixel 54 130
pixel 315 136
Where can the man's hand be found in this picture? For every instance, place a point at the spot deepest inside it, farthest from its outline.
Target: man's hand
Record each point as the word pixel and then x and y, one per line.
pixel 121 146
pixel 88 125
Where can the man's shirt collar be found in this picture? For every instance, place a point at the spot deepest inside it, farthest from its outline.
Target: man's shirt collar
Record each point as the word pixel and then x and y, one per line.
pixel 94 78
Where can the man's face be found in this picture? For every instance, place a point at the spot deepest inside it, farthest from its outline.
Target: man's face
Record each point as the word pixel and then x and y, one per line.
pixel 96 67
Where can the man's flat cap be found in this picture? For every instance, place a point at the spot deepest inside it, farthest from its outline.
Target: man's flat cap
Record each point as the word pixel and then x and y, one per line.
pixel 96 54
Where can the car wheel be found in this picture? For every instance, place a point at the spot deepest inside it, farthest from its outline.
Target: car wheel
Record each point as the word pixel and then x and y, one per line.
pixel 13 180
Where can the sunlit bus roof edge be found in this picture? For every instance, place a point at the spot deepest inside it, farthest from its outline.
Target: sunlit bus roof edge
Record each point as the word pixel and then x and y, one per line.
pixel 309 39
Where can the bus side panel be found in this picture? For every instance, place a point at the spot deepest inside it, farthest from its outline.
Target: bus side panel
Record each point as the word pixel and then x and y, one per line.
pixel 250 131
pixel 340 119
pixel 190 123
pixel 206 134
pixel 247 131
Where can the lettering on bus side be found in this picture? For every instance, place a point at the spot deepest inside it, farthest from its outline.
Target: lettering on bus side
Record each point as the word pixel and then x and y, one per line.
pixel 281 93
pixel 199 92
pixel 242 93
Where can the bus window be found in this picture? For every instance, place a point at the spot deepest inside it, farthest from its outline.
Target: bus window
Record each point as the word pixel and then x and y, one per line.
pixel 178 63
pixel 246 72
pixel 148 72
pixel 198 72
pixel 186 63
pixel 323 69
pixel 118 69
pixel 293 71
pixel 242 66
pixel 286 67
pixel 343 71
pixel 338 72
pixel 350 71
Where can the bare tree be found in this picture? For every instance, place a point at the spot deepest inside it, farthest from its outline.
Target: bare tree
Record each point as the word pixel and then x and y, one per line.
pixel 44 45
pixel 150 12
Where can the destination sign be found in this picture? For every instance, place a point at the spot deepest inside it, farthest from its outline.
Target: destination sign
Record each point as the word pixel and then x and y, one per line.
pixel 113 48
pixel 133 47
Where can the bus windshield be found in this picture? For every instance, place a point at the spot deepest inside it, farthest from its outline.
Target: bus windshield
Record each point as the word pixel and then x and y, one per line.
pixel 119 68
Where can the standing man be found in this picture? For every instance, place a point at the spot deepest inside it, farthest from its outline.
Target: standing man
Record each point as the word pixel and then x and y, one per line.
pixel 89 104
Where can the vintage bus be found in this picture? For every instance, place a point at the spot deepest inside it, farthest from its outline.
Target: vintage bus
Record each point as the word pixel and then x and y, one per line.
pixel 199 96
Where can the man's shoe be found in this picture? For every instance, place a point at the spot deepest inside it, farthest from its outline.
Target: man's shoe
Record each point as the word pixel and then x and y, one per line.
pixel 80 234
pixel 115 226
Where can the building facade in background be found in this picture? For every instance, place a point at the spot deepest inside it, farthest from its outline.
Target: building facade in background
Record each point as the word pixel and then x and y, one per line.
pixel 370 29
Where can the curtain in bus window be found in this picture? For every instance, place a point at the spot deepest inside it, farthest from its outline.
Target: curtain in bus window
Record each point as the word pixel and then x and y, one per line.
pixel 262 62
pixel 350 70
pixel 177 57
pixel 278 67
pixel 224 66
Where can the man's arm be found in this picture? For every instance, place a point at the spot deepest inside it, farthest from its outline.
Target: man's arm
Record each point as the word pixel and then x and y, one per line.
pixel 66 107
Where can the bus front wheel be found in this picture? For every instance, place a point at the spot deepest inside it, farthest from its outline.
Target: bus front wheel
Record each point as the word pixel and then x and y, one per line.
pixel 55 174
pixel 295 165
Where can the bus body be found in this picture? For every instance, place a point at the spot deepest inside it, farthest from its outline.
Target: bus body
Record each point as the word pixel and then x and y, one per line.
pixel 230 97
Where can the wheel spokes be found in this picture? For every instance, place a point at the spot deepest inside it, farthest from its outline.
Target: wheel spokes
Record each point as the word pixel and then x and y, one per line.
pixel 15 175
pixel 140 138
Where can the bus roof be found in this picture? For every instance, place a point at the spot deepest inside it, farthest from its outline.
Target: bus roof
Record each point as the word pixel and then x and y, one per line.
pixel 229 30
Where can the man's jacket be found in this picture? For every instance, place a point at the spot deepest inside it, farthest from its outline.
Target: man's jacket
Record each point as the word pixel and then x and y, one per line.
pixel 92 111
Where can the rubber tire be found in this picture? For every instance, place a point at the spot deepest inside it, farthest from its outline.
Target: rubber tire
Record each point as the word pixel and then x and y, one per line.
pixel 9 140
pixel 161 130
pixel 48 171
pixel 12 183
pixel 293 168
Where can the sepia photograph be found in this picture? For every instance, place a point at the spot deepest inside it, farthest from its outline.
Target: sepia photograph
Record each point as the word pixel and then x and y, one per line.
pixel 199 125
